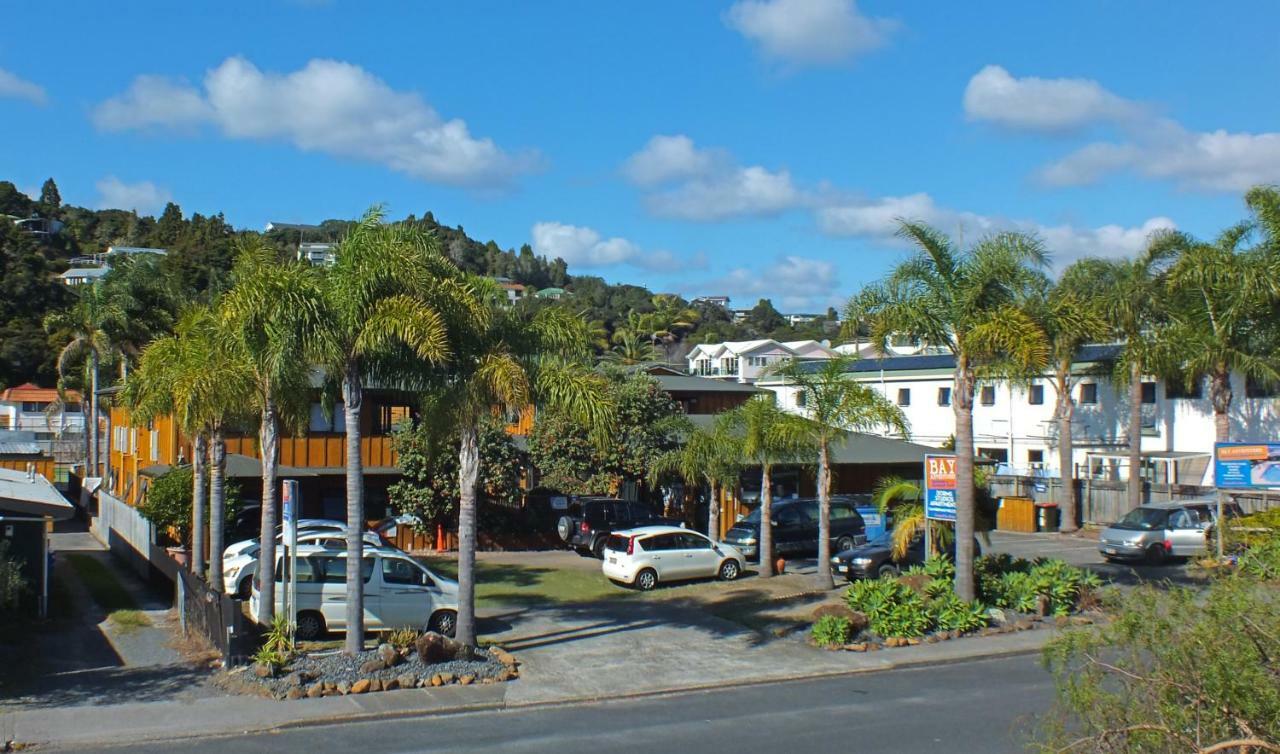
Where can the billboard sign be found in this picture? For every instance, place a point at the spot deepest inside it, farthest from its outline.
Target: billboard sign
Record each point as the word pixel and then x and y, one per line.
pixel 1246 465
pixel 940 487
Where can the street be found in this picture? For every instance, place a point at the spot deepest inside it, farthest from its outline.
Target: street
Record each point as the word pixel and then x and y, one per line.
pixel 982 706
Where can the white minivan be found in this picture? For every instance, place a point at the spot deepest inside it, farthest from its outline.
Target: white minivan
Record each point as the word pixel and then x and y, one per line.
pixel 399 592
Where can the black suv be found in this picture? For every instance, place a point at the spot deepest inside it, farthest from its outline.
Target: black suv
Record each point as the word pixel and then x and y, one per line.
pixel 795 528
pixel 591 520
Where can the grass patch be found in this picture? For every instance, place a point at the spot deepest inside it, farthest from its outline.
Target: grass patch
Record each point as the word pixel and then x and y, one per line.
pixel 128 621
pixel 102 584
pixel 502 584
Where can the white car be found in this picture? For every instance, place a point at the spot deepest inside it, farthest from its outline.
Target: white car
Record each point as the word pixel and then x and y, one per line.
pixel 305 524
pixel 399 592
pixel 647 555
pixel 239 569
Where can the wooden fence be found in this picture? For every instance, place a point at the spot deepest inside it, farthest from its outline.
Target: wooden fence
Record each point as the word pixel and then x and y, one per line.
pixel 214 616
pixel 1106 501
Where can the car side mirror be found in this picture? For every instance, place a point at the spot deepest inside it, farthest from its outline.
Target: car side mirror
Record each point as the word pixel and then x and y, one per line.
pixel 773 522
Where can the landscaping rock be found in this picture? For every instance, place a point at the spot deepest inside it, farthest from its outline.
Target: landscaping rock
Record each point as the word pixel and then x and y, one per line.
pixel 293 679
pixel 344 688
pixel 931 639
pixel 372 666
pixel 360 686
pixel 437 680
pixel 1080 620
pixel 856 619
pixel 264 670
pixel 859 647
pixel 912 641
pixel 295 693
pixel 997 616
pixel 391 685
pixel 1025 624
pixel 407 680
pixel 315 690
pixel 1042 605
pixel 375 685
pixel 506 675
pixel 466 680
pixel 433 647
pixel 446 679
pixel 390 657
pixel 503 656
pixel 873 647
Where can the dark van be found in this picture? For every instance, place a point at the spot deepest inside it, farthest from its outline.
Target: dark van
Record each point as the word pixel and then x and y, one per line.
pixel 795 528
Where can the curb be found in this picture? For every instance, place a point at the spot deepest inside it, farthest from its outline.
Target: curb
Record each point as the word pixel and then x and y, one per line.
pixel 461 709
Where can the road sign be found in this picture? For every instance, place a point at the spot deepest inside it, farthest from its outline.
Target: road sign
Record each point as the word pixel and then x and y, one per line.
pixel 289 504
pixel 940 487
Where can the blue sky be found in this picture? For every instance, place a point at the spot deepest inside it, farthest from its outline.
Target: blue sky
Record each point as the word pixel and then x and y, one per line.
pixel 750 148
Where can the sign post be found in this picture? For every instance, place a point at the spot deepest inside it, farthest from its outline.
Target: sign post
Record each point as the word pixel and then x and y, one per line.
pixel 939 493
pixel 289 509
pixel 1243 466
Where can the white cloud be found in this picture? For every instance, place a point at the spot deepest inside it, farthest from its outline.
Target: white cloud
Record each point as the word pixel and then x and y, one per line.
pixel 791 282
pixel 808 32
pixel 15 87
pixel 584 247
pixel 877 220
pixel 1035 104
pixel 706 185
pixel 327 106
pixel 1208 161
pixel 144 196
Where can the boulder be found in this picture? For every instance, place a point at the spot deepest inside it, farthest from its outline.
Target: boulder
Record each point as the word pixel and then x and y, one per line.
pixel 503 656
pixel 467 680
pixel 295 693
pixel 873 647
pixel 375 685
pixel 293 679
pixel 856 619
pixel 360 686
pixel 433 647
pixel 1025 624
pixel 996 615
pixel 371 666
pixel 343 688
pixel 446 679
pixel 391 685
pixel 389 656
pixel 506 674
pixel 315 691
pixel 858 647
pixel 264 670
pixel 407 680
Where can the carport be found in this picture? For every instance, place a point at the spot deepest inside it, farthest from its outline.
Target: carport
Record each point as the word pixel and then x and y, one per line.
pixel 29 504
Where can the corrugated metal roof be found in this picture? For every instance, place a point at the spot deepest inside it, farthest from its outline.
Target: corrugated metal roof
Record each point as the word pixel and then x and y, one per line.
pixel 691 383
pixel 1091 353
pixel 9 448
pixel 860 449
pixel 31 495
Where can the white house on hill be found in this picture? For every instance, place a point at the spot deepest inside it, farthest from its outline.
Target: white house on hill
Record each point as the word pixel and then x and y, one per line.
pixel 748 360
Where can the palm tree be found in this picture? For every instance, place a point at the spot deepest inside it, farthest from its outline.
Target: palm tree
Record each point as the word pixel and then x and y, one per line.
pixel 86 328
pixel 629 348
pixel 836 405
pixel 1220 316
pixel 970 304
pixel 505 360
pixel 901 498
pixel 1067 313
pixel 270 313
pixel 769 436
pixel 710 456
pixel 384 304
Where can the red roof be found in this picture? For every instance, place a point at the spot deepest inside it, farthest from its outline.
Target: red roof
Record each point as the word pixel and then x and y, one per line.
pixel 36 394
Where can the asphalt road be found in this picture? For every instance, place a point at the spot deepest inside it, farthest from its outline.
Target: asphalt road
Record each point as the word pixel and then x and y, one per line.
pixel 982 706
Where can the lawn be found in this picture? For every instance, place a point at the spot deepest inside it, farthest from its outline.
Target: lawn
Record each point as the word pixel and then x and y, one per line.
pixel 101 583
pixel 505 584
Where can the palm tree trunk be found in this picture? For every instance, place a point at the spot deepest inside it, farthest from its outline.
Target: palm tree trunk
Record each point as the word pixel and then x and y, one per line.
pixel 962 405
pixel 199 489
pixel 766 521
pixel 824 580
pixel 1066 467
pixel 217 505
pixel 1220 395
pixel 352 398
pixel 269 438
pixel 1135 435
pixel 93 412
pixel 468 473
pixel 713 513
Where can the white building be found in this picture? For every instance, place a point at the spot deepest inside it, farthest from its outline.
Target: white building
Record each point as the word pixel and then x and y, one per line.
pixel 1014 423
pixel 748 360
pixel 321 254
pixel 83 275
pixel 29 408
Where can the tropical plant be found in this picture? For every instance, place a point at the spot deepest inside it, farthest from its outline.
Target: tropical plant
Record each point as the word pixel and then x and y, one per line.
pixel 892 608
pixel 971 304
pixel 835 406
pixel 86 329
pixel 900 500
pixel 504 360
pixel 769 436
pixel 832 631
pixel 403 637
pixel 168 502
pixel 630 348
pixel 950 613
pixel 270 314
pixel 710 457
pixel 385 303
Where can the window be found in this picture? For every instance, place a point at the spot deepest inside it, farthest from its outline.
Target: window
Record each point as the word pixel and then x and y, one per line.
pixel 692 542
pixel 800 398
pixel 1255 389
pixel 988 395
pixel 1035 456
pixel 904 396
pixel 1036 395
pixel 1088 393
pixel 33 407
pixel 334 569
pixel 758 361
pixel 840 512
pixel 1181 520
pixel 790 516
pixel 1148 392
pixel 1176 389
pixel 728 366
pixel 401 571
pixel 306 570
pixel 155 445
pixel 660 543
pixel 995 454
pixel 944 396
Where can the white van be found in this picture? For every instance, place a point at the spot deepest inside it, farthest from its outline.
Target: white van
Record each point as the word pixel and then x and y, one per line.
pixel 399 592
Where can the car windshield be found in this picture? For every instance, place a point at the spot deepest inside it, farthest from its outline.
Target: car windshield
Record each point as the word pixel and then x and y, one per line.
pixel 751 518
pixel 1144 518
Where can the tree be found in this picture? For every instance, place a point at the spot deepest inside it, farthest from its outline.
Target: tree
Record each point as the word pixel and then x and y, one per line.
pixel 272 315
pixel 769 436
pixel 1221 315
pixel 900 498
pixel 85 331
pixel 428 456
pixel 382 316
pixel 169 503
pixel 1067 313
pixel 630 348
pixel 971 304
pixel 763 318
pixel 504 360
pixel 711 456
pixel 50 199
pixel 835 406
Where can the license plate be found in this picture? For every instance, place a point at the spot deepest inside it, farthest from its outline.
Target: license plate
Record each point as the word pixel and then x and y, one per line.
pixel 613 561
pixel 1110 550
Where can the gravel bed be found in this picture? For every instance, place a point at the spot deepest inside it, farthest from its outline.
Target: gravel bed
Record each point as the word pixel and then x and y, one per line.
pixel 336 667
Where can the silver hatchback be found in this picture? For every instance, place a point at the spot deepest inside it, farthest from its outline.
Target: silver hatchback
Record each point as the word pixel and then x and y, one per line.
pixel 1159 531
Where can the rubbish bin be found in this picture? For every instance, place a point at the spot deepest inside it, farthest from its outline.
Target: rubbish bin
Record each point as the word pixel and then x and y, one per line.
pixel 1047 517
pixel 874 520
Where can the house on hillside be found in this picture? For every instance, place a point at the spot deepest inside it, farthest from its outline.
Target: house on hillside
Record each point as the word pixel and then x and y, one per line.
pixel 319 254
pixel 747 361
pixel 31 408
pixel 552 294
pixel 515 291
pixel 83 275
pixel 721 301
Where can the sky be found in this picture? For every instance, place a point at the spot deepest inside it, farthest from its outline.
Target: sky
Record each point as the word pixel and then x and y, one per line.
pixel 749 148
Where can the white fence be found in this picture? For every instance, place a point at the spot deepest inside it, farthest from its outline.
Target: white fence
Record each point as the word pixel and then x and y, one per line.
pixel 130 536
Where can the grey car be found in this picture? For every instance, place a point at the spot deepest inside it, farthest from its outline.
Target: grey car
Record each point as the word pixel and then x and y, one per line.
pixel 1158 531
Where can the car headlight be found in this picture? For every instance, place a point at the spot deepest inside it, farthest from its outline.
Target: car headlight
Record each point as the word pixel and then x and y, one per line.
pixel 747 541
pixel 861 561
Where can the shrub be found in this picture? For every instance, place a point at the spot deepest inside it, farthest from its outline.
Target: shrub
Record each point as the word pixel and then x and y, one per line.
pixel 1262 559
pixel 12 584
pixel 277 647
pixel 403 638
pixel 1019 585
pixel 892 608
pixel 954 614
pixel 167 503
pixel 832 631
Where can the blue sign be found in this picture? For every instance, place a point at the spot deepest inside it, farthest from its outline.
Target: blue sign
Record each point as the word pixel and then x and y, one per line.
pixel 1246 465
pixel 289 507
pixel 940 487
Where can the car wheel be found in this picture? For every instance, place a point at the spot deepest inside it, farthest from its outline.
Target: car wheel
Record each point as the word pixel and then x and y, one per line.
pixel 310 625
pixel 564 527
pixel 888 570
pixel 245 590
pixel 730 570
pixel 444 622
pixel 597 549
pixel 1155 555
pixel 844 543
pixel 646 580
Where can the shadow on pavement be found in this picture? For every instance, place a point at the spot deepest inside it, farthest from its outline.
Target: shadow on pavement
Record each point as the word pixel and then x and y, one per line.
pixel 109 686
